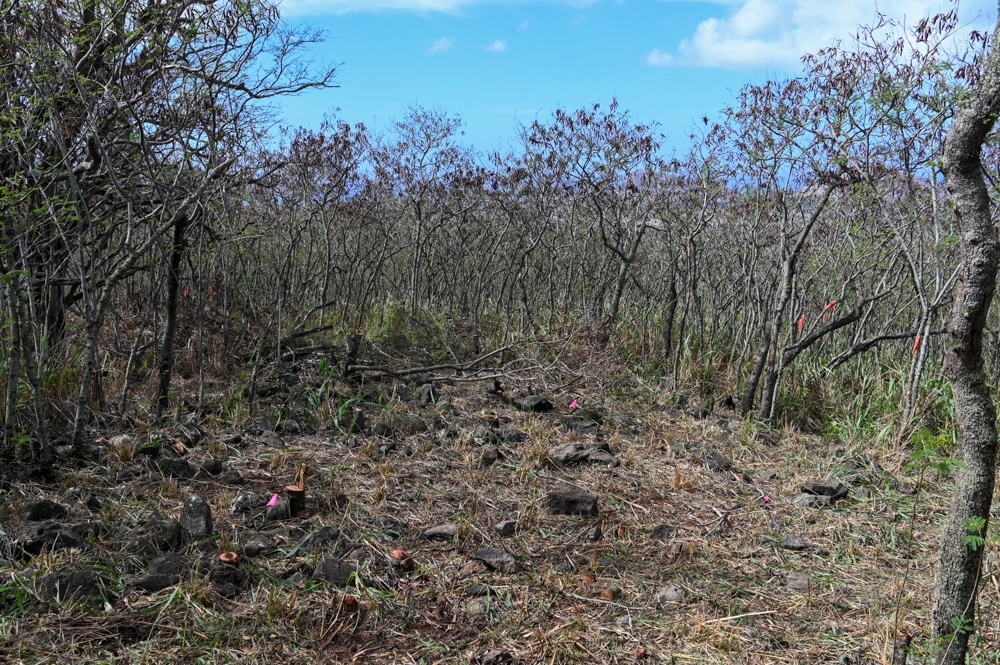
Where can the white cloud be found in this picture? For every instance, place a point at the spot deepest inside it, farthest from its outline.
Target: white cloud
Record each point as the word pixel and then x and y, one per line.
pixel 522 26
pixel 441 45
pixel 499 46
pixel 777 33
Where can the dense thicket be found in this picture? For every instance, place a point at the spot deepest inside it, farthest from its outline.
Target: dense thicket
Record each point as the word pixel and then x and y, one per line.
pixel 149 221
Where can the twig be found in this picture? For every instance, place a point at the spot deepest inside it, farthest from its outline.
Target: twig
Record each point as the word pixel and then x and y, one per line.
pixel 741 616
pixel 609 602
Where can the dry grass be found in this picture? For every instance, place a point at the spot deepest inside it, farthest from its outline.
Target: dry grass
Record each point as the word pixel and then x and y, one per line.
pixel 574 600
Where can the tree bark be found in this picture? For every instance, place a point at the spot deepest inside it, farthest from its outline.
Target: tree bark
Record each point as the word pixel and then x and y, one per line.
pixel 975 414
pixel 170 332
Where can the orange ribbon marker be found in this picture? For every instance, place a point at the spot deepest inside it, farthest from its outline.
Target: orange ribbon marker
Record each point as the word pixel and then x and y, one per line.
pixel 916 345
pixel 802 322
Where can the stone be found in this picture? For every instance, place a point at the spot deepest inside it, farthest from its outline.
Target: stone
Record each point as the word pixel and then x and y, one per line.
pixel 181 469
pixel 43 509
pixel 483 436
pixel 670 594
pixel 579 424
pixel 496 559
pixel 477 590
pixel 79 586
pixel 231 477
pixel 471 569
pixel 833 489
pixel 717 461
pixel 442 532
pixel 572 502
pixel 427 394
pixel 495 657
pixel 248 501
pixel 794 543
pixel 506 527
pixel 391 527
pixel 595 534
pixel 798 580
pixel 255 547
pixel 477 607
pixel 50 536
pixel 89 530
pixel 271 439
pixel 196 520
pixel 212 467
pixel 576 452
pixel 511 436
pixel 811 501
pixel 490 457
pixel 163 532
pixel 336 571
pixel 279 511
pixel 324 537
pixel 534 403
pixel 663 532
pixel 162 572
pixel 290 426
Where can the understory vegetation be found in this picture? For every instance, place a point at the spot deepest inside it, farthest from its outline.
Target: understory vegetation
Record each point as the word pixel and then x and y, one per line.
pixel 171 266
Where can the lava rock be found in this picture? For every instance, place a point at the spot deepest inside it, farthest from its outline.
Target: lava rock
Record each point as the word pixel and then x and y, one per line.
pixel 50 536
pixel 811 501
pixel 248 501
pixel 391 526
pixel 255 547
pixel 271 439
pixel 336 571
pixel 496 559
pixel 279 511
pixel 231 477
pixel 663 532
pixel 79 586
pixel 43 509
pixel 163 532
pixel 324 537
pixel 506 527
pixel 717 461
pixel 483 436
pixel 833 489
pixel 196 520
pixel 798 580
pixel 668 595
pixel 181 469
pixel 212 467
pixel 162 572
pixel 794 543
pixel 534 403
pixel 442 532
pixel 572 502
pixel 490 457
pixel 573 453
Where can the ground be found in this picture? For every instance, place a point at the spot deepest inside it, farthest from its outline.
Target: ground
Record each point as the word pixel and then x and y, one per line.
pixel 703 548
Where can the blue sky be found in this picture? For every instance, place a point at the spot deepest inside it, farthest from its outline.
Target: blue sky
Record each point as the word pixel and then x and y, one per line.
pixel 497 63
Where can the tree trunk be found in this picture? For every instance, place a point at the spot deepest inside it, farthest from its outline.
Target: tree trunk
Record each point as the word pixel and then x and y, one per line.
pixel 170 332
pixel 975 415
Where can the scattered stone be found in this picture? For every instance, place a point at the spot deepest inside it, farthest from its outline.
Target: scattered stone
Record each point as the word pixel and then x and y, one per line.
pixel 43 509
pixel 471 569
pixel 865 493
pixel 579 424
pixel 196 520
pixel 279 511
pixel 163 532
pixel 663 532
pixel 163 572
pixel 811 501
pixel 496 559
pixel 89 530
pixel 255 547
pixel 717 461
pixel 477 590
pixel 595 534
pixel 575 452
pixel 490 457
pixel 572 502
pixel 324 537
pixel 477 607
pixel 383 429
pixel 767 474
pixel 506 527
pixel 248 501
pixel 290 426
pixel 181 469
pixel 534 403
pixel 78 586
pixel 442 532
pixel 231 477
pixel 511 436
pixel 794 543
pixel 495 658
pixel 93 502
pixel 271 439
pixel 212 467
pixel 798 580
pixel 150 450
pixel 234 440
pixel 336 571
pixel 483 436
pixel 833 489
pixel 50 536
pixel 670 594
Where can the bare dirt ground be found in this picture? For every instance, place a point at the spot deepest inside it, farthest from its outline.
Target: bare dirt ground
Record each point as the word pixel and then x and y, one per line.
pixel 703 548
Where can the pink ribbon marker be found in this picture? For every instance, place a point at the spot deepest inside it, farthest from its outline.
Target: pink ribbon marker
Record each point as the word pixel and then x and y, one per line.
pixel 273 501
pixel 573 405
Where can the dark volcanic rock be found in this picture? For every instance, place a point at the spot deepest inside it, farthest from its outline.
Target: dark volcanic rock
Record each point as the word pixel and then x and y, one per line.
pixel 391 526
pixel 163 532
pixel 196 520
pixel 832 488
pixel 43 509
pixel 248 501
pixel 255 547
pixel 663 532
pixel 571 502
pixel 162 572
pixel 279 511
pixel 73 586
pixel 811 501
pixel 794 543
pixel 569 454
pixel 717 461
pixel 534 403
pixel 496 559
pixel 441 532
pixel 336 571
pixel 212 467
pixel 50 536
pixel 506 527
pixel 324 537
pixel 180 469
pixel 490 457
